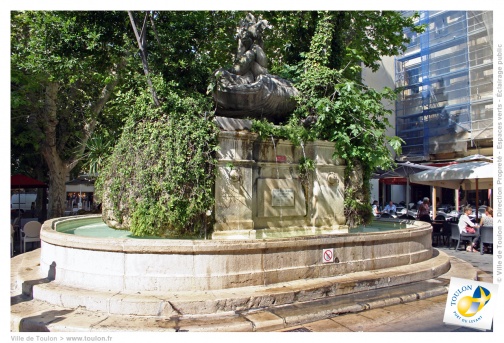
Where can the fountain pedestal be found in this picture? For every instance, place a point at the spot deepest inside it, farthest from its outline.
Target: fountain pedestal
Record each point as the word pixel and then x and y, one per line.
pixel 260 191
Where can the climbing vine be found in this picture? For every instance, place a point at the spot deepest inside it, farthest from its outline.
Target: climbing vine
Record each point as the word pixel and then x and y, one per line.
pixel 158 181
pixel 334 105
pixel 348 113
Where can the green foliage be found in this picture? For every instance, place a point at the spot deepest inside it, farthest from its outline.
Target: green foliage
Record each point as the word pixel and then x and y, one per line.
pixel 76 51
pixel 191 45
pixel 357 212
pixel 160 173
pixel 357 36
pixel 347 113
pixel 98 149
pixel 292 131
pixel 306 167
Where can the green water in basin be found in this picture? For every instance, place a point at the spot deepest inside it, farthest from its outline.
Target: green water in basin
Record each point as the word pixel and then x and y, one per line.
pixel 95 227
pixel 379 226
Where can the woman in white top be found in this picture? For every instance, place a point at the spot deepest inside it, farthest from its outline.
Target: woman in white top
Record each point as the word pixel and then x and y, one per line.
pixel 374 208
pixel 464 222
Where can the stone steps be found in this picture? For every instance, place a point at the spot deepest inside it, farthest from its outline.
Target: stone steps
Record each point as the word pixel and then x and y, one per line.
pixel 43 305
pixel 224 301
pixel 30 315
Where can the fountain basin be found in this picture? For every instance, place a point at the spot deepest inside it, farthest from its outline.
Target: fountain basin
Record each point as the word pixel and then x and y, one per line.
pixel 166 265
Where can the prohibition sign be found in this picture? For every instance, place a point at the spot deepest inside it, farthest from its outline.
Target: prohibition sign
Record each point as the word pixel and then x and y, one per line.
pixel 327 255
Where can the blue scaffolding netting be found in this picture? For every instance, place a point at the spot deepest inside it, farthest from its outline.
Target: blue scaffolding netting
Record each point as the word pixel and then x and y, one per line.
pixel 446 79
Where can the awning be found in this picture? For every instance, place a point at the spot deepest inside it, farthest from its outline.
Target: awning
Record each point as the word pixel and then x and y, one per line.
pixel 469 173
pixel 394 181
pixel 399 175
pixel 23 181
pixel 466 175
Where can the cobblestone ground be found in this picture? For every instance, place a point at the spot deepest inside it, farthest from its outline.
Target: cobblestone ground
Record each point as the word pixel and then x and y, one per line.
pixel 419 316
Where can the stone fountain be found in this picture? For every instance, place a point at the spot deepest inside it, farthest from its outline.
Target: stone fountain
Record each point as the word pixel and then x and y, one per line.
pixel 260 191
pixel 279 238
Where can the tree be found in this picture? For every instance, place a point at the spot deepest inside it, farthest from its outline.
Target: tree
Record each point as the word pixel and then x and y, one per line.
pixel 65 66
pixel 357 37
pixel 334 104
pixel 346 111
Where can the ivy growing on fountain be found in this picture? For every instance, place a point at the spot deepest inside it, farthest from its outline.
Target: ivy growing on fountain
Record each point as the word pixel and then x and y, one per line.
pixel 158 181
pixel 334 105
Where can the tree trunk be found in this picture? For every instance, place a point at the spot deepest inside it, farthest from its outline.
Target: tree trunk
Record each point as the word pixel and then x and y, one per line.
pixel 57 169
pixel 142 45
pixel 57 190
pixel 356 189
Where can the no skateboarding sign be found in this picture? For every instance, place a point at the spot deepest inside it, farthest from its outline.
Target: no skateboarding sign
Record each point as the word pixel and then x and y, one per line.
pixel 328 255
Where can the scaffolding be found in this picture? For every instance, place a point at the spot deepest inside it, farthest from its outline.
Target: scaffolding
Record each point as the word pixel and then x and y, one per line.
pixel 445 104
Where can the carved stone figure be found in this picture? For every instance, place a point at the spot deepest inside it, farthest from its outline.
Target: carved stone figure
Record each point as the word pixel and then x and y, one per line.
pixel 247 90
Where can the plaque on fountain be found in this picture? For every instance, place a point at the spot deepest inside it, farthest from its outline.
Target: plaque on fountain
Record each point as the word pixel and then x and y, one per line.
pixel 282 197
pixel 278 198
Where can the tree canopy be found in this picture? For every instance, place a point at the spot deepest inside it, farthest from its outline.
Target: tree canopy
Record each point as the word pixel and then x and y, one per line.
pixel 76 77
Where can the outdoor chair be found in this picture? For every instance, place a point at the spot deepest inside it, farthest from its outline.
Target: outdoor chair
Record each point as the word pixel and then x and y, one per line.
pixel 30 233
pixel 12 240
pixel 15 223
pixel 436 233
pixel 460 237
pixel 486 236
pixel 446 232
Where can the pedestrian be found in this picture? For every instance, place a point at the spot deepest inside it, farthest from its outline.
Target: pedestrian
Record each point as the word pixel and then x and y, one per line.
pixel 466 226
pixel 487 220
pixel 423 213
pixel 419 203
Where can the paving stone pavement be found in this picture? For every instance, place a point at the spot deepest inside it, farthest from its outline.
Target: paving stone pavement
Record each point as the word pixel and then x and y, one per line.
pixel 483 262
pixel 424 315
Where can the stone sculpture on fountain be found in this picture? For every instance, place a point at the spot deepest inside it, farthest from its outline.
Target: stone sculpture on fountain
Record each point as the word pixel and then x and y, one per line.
pixel 247 90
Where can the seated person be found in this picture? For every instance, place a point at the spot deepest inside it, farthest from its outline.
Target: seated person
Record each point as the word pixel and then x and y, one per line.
pixel 423 213
pixel 487 219
pixel 374 209
pixel 390 208
pixel 464 224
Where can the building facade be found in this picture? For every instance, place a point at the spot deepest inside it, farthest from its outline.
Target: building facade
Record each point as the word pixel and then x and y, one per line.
pixel 445 108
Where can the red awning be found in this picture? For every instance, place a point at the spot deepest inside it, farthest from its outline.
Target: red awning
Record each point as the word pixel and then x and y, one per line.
pixel 23 181
pixel 394 181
